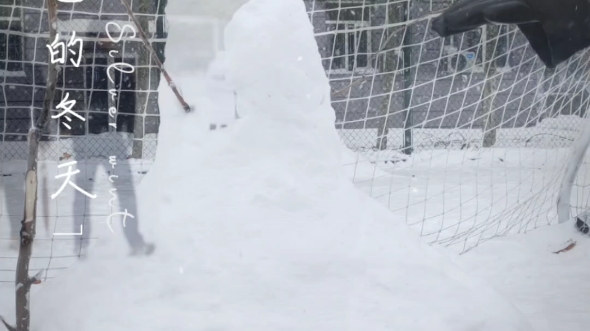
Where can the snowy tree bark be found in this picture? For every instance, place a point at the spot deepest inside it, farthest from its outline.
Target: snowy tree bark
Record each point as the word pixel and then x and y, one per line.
pixel 23 281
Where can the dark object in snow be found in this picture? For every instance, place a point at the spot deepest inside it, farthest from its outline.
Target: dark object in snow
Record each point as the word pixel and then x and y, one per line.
pixel 582 226
pixel 571 244
pixel 555 29
pixel 213 127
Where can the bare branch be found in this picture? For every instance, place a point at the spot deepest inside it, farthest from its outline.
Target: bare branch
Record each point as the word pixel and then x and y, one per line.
pixel 35 279
pixel 8 326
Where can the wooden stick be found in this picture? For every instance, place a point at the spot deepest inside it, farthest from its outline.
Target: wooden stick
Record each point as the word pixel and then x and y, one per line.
pixel 147 44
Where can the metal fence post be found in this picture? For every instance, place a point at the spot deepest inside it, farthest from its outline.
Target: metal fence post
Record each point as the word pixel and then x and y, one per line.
pixel 490 85
pixel 565 192
pixel 407 52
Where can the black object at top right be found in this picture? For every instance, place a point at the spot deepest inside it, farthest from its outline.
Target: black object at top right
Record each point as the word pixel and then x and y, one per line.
pixel 555 29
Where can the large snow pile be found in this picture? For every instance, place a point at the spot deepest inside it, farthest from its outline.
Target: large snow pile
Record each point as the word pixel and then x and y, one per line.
pixel 257 226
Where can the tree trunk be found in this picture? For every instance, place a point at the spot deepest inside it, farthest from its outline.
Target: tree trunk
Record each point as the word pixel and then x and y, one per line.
pixel 23 281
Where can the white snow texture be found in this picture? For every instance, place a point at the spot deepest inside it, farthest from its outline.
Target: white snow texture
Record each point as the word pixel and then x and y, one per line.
pixel 257 227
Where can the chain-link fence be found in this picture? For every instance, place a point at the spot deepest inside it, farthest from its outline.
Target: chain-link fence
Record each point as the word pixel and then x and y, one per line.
pixel 397 85
pixel 389 74
pixel 83 77
pixel 99 112
pixel 461 136
pixel 106 104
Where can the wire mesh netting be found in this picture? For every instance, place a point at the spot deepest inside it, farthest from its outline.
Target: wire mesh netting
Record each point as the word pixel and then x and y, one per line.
pixel 83 76
pixel 465 138
pixel 89 125
pixel 390 71
pixel 105 106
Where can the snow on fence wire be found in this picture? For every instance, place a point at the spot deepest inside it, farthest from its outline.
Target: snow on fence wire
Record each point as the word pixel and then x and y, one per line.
pixel 465 138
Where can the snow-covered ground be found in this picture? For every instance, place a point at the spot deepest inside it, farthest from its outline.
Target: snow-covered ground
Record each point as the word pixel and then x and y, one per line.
pixel 557 132
pixel 55 253
pixel 461 198
pixel 258 226
pixel 550 289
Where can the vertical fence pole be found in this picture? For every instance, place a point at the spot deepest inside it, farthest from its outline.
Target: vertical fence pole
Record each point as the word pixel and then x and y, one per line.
pixel 390 63
pixel 408 83
pixel 143 81
pixel 575 161
pixel 490 42
pixel 160 45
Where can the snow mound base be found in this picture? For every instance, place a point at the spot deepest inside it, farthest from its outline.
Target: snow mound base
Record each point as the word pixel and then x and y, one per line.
pixel 257 226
